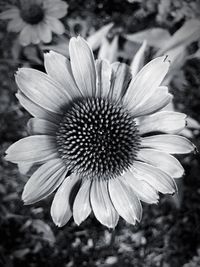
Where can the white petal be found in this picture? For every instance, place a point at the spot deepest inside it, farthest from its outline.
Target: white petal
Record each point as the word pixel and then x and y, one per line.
pixel 61 211
pixel 39 126
pixel 81 207
pixel 95 39
pixel 83 66
pixel 158 179
pixel 142 189
pixel 162 160
pixel 57 10
pixel 164 121
pixel 169 143
pixel 146 82
pixel 44 32
pixel 121 76
pixel 55 25
pixel 44 181
pixel 25 35
pixel 10 13
pixel 104 72
pixel 157 101
pixel 109 50
pixel 125 201
pixel 16 25
pixel 35 148
pixel 101 204
pixel 36 110
pixel 58 67
pixel 138 60
pixel 24 167
pixel 42 90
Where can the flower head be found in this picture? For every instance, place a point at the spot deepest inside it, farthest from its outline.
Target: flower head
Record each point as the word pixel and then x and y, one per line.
pixel 98 136
pixel 35 20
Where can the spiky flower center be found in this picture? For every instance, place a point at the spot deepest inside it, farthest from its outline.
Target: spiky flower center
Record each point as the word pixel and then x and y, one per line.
pixel 32 13
pixel 97 138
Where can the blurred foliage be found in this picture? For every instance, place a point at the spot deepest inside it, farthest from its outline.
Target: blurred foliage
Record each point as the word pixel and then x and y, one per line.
pixel 166 236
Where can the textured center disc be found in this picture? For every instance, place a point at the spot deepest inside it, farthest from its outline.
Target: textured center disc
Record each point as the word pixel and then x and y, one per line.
pixel 32 14
pixel 97 138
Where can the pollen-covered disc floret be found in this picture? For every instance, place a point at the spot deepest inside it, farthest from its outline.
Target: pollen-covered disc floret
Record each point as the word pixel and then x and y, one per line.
pixel 98 138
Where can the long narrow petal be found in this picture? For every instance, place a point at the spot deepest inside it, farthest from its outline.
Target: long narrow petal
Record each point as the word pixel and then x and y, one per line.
pixel 10 13
pixel 162 160
pixel 35 148
pixel 39 126
pixel 101 204
pixel 25 35
pixel 172 144
pixel 109 50
pixel 146 82
pixel 158 179
pixel 41 89
pixel 55 25
pixel 142 189
pixel 36 110
pixel 82 207
pixel 95 39
pixel 164 121
pixel 44 181
pixel 157 101
pixel 121 76
pixel 104 72
pixel 61 206
pixel 138 60
pixel 83 66
pixel 125 201
pixel 58 67
pixel 57 10
pixel 44 32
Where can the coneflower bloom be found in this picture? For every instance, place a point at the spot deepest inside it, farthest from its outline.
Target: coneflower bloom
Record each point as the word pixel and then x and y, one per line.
pixel 35 20
pixel 98 137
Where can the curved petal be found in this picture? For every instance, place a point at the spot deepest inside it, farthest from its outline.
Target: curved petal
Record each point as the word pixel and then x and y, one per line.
pixel 82 207
pixel 95 39
pixel 158 179
pixel 142 189
pixel 39 126
pixel 121 76
pixel 44 32
pixel 61 206
pixel 138 60
pixel 11 13
pixel 35 148
pixel 55 25
pixel 157 101
pixel 25 35
pixel 62 73
pixel 101 204
pixel 16 25
pixel 57 10
pixel 44 181
pixel 36 110
pixel 41 89
pixel 125 201
pixel 163 121
pixel 162 160
pixel 146 82
pixel 104 72
pixel 83 66
pixel 109 50
pixel 172 144
pixel 24 167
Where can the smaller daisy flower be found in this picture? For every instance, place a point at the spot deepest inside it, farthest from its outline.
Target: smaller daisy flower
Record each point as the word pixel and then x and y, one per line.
pixel 35 20
pixel 99 136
